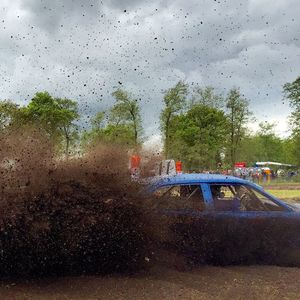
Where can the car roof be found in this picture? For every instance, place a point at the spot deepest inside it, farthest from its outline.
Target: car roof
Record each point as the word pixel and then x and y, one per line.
pixel 156 182
pixel 194 179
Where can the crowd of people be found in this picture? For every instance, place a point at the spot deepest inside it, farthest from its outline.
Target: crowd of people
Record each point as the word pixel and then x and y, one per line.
pixel 262 175
pixel 256 174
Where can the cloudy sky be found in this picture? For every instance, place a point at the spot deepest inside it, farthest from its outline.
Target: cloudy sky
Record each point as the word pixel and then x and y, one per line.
pixel 83 49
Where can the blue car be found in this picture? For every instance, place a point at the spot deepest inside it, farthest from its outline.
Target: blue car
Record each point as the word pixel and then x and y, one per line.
pixel 224 220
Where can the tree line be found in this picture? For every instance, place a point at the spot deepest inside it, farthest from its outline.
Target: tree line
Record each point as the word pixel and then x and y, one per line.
pixel 200 127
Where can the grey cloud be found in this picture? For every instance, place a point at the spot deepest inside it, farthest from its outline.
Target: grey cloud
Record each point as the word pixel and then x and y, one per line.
pixel 125 4
pixel 84 49
pixel 53 14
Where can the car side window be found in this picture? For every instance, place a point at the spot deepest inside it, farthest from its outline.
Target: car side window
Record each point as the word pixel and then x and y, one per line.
pixel 263 202
pixel 180 197
pixel 241 198
pixel 224 197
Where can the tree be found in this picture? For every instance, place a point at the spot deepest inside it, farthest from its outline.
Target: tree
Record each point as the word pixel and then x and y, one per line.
pixel 126 112
pixel 208 97
pixel 238 115
pixel 97 121
pixel 292 93
pixel 197 137
pixel 55 116
pixel 120 125
pixel 121 134
pixel 174 100
pixel 271 144
pixel 9 113
pixel 43 112
pixel 68 113
pixel 264 145
pixel 290 153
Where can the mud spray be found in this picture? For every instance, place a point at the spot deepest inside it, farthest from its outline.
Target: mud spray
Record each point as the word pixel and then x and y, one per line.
pixel 67 217
pixel 84 216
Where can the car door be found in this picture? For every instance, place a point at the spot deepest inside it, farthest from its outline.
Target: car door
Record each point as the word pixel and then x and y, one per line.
pixel 250 226
pixel 210 236
pixel 178 209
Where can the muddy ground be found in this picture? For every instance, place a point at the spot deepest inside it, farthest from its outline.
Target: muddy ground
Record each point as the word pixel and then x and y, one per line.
pixel 206 282
pixel 63 223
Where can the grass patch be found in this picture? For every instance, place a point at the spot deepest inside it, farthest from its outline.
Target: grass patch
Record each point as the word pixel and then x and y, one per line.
pixel 293 195
pixel 280 183
pixel 285 193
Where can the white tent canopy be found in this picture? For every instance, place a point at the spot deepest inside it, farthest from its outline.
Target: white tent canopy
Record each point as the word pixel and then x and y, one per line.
pixel 271 163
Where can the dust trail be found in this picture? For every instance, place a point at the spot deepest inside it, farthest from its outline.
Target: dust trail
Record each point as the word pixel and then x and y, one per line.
pixel 84 216
pixel 74 217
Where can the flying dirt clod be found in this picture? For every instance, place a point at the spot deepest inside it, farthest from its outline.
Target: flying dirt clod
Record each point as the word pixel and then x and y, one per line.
pixel 67 217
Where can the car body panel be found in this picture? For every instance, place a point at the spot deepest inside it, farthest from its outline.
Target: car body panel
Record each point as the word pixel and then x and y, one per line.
pixel 229 236
pixel 204 180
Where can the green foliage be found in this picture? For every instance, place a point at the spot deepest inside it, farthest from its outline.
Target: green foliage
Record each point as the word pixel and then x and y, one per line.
pixel 11 115
pixel 126 112
pixel 121 134
pixel 238 115
pixel 208 97
pixel 121 125
pixel 98 120
pixel 197 136
pixel 198 130
pixel 55 116
pixel 292 93
pixel 175 102
pixel 292 149
pixel 271 145
pixel 263 146
pixel 7 113
pixel 68 111
pixel 43 112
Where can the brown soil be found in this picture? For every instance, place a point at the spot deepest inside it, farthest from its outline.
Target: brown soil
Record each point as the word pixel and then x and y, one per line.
pixel 55 214
pixel 254 282
pixel 61 217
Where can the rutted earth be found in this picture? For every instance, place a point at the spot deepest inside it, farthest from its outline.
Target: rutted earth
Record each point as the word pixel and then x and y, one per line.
pixel 53 217
pixel 207 282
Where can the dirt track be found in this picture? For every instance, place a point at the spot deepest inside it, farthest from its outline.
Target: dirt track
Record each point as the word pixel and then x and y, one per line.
pixel 254 282
pixel 68 203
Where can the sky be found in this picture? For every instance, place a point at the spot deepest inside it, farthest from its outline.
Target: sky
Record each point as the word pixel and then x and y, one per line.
pixel 84 49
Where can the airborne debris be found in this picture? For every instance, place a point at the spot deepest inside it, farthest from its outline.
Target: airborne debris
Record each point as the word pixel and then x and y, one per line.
pixel 67 217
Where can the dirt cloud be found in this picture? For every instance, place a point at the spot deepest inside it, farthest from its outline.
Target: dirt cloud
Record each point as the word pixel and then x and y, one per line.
pixel 67 217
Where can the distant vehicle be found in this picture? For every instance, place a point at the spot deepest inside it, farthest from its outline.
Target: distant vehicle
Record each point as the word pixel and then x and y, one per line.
pixel 274 164
pixel 225 219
